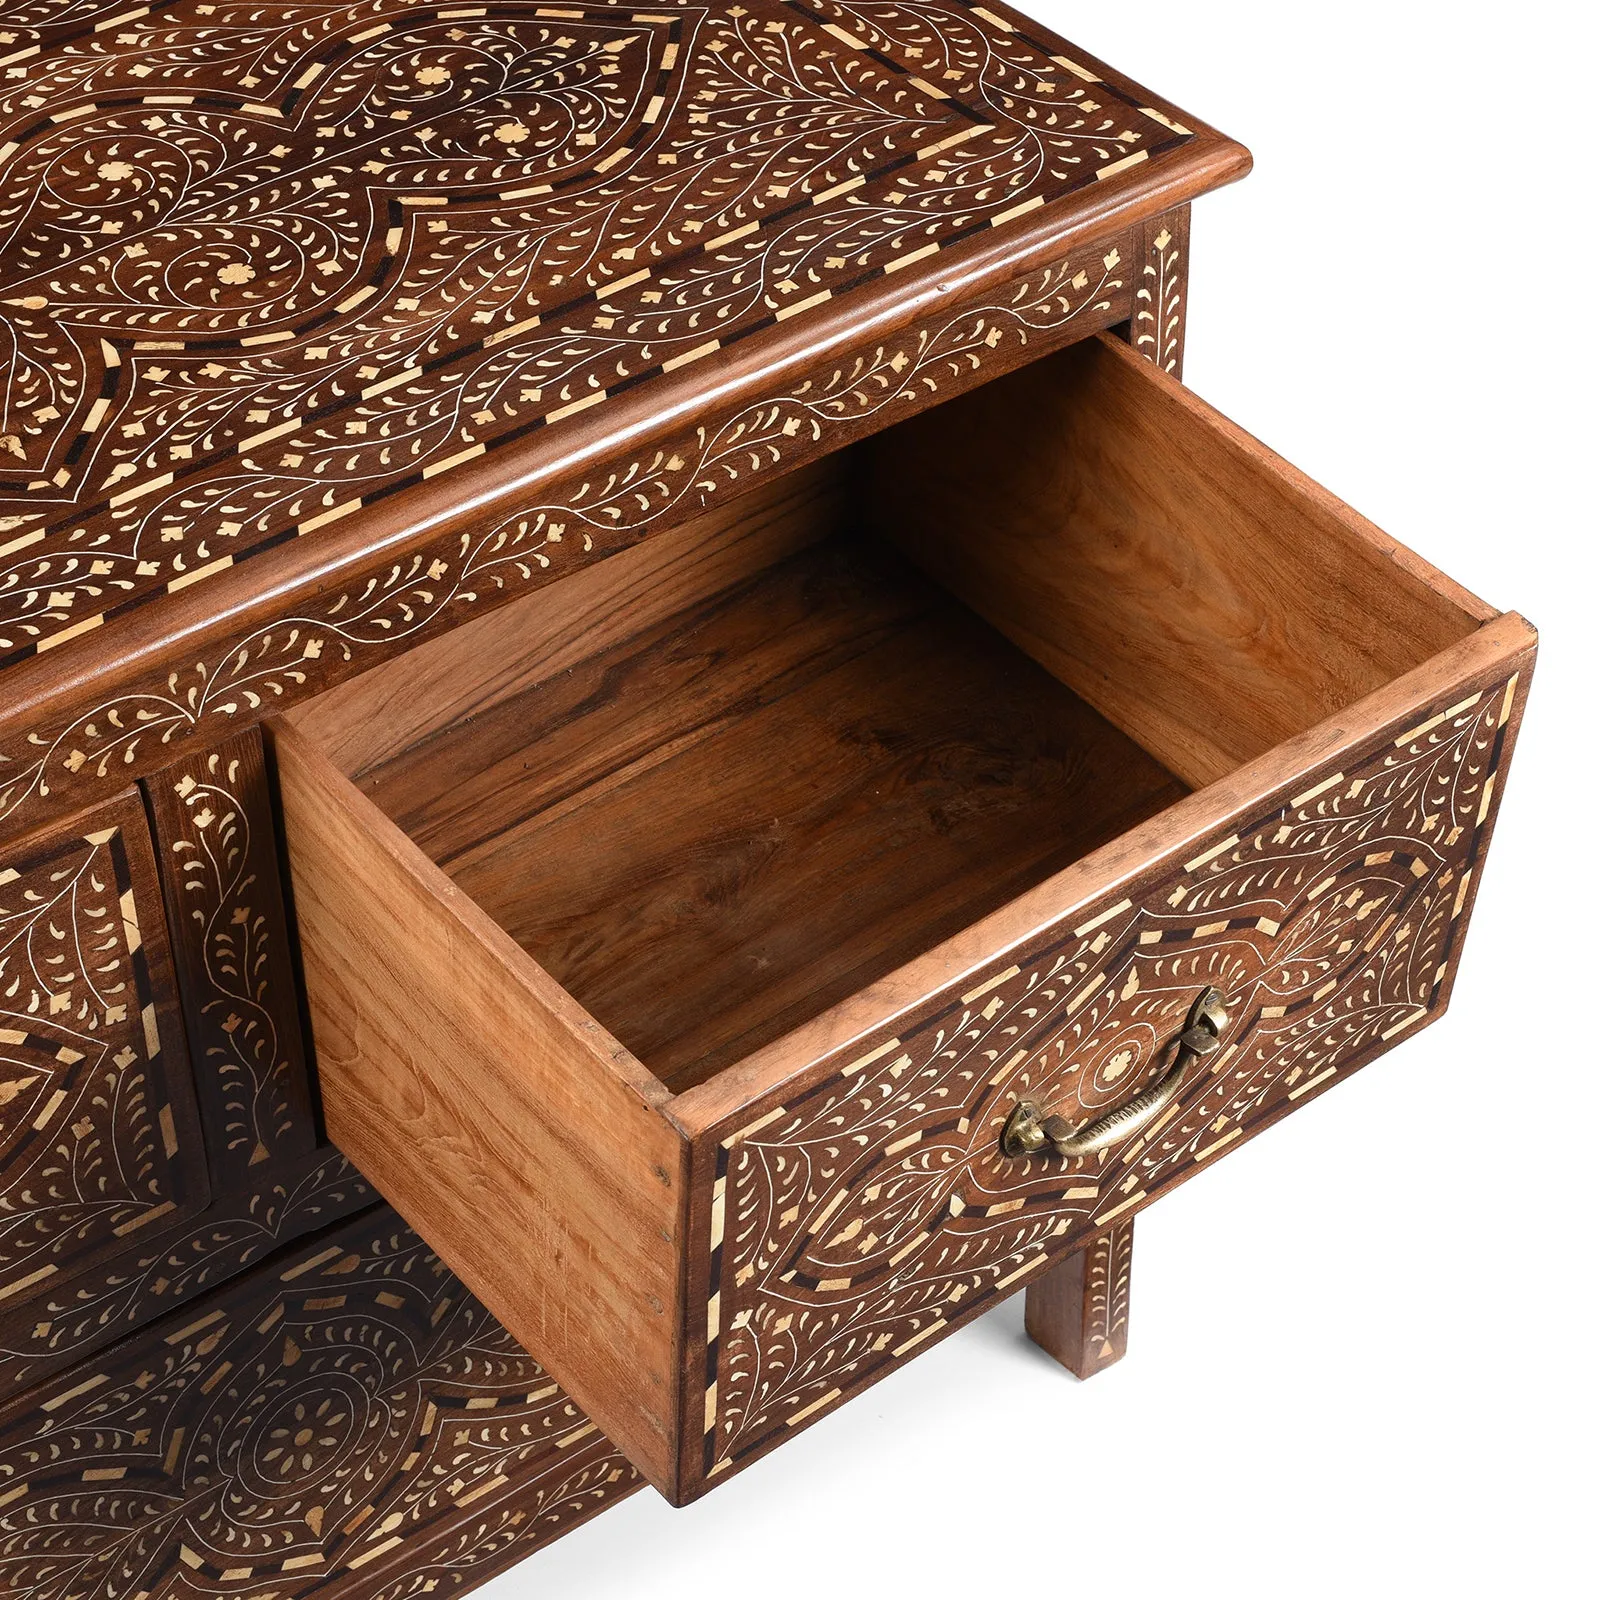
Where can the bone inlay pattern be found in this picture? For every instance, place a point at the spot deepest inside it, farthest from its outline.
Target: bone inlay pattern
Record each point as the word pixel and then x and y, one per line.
pixel 98 1136
pixel 874 1211
pixel 262 264
pixel 1108 1282
pixel 390 605
pixel 269 1180
pixel 213 824
pixel 1158 319
pixel 130 1289
pixel 348 1417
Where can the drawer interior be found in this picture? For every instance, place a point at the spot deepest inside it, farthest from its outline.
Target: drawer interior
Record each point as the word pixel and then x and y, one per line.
pixel 721 782
pixel 755 803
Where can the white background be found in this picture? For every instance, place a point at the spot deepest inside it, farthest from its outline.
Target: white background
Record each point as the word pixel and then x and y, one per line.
pixel 1363 1348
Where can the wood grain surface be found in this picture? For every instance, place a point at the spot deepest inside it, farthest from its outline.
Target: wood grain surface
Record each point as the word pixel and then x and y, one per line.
pixel 1078 1311
pixel 512 652
pixel 749 809
pixel 489 1108
pixel 764 879
pixel 1188 583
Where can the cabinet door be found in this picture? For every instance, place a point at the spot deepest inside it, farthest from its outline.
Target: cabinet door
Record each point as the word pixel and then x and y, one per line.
pixel 157 1137
pixel 100 1144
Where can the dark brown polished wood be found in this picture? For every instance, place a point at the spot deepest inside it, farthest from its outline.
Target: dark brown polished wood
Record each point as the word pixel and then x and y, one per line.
pixel 343 1420
pixel 509 291
pixel 1078 1311
pixel 225 1187
pixel 100 1142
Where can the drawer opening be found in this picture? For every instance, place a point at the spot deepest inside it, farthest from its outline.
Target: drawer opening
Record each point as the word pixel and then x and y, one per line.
pixel 749 806
pixel 720 783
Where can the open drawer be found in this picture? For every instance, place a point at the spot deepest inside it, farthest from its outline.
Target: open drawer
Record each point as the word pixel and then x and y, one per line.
pixel 680 941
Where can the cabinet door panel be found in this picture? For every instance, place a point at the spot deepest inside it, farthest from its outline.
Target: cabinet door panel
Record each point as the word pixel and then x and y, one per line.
pixel 248 1170
pixel 99 1139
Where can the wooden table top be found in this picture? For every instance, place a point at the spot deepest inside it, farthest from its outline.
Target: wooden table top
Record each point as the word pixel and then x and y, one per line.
pixel 286 284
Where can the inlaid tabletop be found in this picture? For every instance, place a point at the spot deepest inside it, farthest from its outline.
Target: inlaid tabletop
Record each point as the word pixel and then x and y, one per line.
pixel 270 265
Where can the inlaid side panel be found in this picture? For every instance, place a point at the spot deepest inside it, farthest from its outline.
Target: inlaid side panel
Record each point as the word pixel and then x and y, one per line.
pixel 348 1421
pixel 270 1180
pixel 214 828
pixel 99 1142
pixel 873 1210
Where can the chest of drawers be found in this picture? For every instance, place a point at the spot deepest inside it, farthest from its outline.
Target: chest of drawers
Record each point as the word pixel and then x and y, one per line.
pixel 619 635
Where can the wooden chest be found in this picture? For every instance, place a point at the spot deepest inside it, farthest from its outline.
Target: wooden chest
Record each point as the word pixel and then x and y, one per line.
pixel 616 633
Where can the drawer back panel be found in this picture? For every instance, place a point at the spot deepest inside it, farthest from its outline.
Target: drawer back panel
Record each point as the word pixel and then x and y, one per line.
pixel 1192 586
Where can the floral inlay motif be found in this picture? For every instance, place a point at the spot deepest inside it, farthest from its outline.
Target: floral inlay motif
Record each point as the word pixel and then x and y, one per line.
pixel 261 265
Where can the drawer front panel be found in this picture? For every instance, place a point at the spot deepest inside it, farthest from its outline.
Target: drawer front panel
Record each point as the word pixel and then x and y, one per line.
pixel 99 1141
pixel 873 1211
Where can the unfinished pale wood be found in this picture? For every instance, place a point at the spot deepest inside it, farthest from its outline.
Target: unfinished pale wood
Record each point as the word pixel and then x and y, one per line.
pixel 470 671
pixel 489 1108
pixel 754 806
pixel 1078 1312
pixel 1189 584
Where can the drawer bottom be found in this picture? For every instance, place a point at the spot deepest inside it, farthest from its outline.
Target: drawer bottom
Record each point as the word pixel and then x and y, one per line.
pixel 763 802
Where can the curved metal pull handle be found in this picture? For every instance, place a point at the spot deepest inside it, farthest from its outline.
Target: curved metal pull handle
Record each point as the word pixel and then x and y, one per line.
pixel 1028 1130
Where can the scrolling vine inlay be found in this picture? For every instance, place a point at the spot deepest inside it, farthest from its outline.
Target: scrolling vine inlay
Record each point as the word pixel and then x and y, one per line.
pixel 875 1211
pixel 391 604
pixel 269 1181
pixel 262 264
pixel 99 1143
pixel 213 820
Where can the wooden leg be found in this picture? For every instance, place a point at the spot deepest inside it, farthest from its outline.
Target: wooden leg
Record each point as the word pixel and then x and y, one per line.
pixel 1079 1310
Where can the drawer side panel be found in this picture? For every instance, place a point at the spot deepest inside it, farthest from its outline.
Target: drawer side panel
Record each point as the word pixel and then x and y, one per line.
pixel 488 1108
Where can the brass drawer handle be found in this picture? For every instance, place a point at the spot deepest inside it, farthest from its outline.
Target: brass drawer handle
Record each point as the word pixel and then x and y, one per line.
pixel 1028 1130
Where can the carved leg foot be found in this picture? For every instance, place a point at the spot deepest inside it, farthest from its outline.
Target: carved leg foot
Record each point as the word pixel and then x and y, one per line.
pixel 1079 1310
